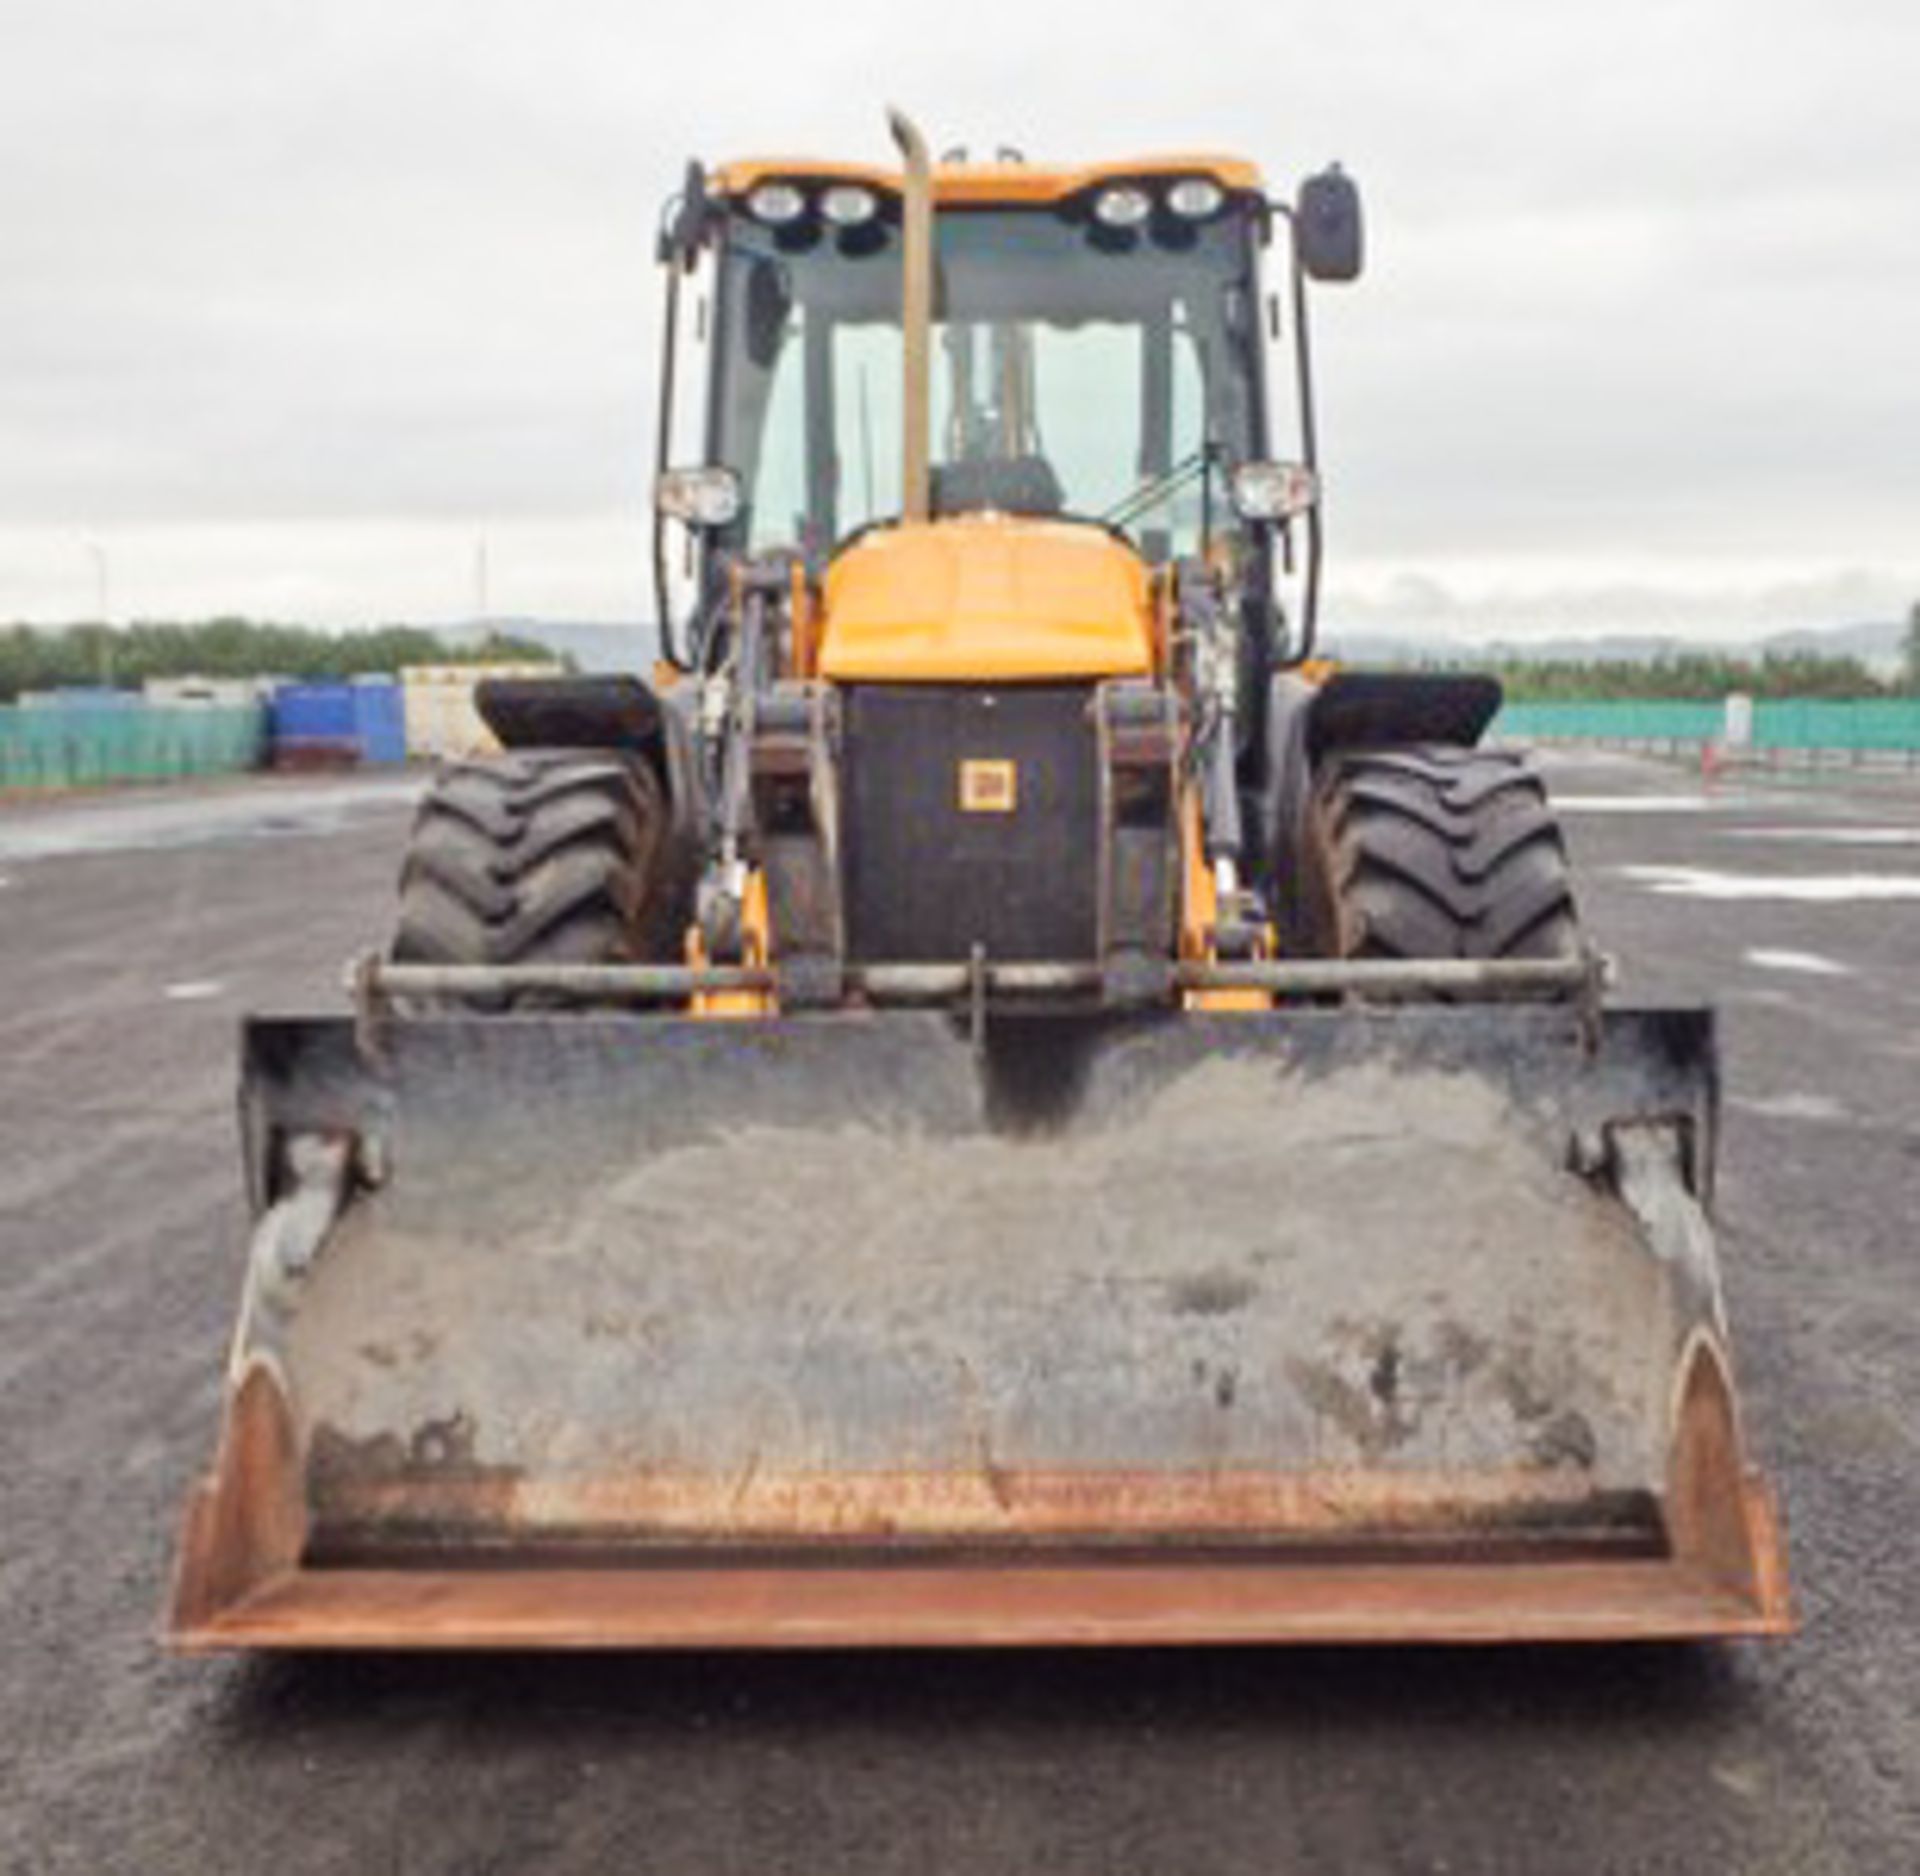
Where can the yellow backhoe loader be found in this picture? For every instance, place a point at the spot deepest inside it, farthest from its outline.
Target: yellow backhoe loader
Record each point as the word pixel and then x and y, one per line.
pixel 995 1098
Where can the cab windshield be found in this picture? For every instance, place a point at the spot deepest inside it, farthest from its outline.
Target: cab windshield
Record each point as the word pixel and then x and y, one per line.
pixel 1078 370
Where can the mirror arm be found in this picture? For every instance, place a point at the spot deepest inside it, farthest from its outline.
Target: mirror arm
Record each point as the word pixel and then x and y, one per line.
pixel 1310 455
pixel 1309 436
pixel 663 444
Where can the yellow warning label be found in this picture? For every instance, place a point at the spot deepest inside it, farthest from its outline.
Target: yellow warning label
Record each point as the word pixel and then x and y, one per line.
pixel 988 787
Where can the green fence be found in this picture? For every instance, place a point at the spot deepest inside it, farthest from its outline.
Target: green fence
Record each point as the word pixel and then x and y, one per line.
pixel 1641 722
pixel 1879 724
pixel 64 746
pixel 1812 723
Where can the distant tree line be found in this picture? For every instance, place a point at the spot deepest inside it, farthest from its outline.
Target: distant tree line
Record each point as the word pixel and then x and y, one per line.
pixel 40 658
pixel 1691 675
pixel 37 658
pixel 1707 676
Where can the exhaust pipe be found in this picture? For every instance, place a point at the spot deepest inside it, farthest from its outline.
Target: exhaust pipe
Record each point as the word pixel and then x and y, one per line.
pixel 916 316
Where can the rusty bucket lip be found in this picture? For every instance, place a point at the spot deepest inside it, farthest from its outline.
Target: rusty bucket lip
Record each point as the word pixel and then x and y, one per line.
pixel 243 1582
pixel 903 1604
pixel 1106 1513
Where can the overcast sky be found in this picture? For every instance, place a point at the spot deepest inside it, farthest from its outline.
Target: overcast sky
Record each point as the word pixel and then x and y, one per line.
pixel 297 300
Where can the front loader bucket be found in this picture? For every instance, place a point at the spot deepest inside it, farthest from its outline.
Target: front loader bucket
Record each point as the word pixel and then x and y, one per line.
pixel 597 1330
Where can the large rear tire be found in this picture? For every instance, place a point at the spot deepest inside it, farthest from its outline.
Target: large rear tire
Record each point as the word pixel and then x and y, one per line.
pixel 1437 851
pixel 540 856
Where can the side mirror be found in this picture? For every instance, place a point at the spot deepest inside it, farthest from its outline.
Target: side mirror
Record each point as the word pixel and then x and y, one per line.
pixel 1326 226
pixel 680 232
pixel 1273 491
pixel 701 498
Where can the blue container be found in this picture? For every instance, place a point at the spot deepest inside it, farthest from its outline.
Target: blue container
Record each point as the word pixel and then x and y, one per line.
pixel 335 725
pixel 314 713
pixel 380 720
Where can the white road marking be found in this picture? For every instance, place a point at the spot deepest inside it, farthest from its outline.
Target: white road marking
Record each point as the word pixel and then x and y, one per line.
pixel 1795 1105
pixel 194 990
pixel 1638 804
pixel 1836 836
pixel 1811 963
pixel 1702 882
pixel 1745 1778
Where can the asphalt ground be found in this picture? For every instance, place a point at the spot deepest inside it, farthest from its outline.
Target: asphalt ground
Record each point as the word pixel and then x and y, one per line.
pixel 135 929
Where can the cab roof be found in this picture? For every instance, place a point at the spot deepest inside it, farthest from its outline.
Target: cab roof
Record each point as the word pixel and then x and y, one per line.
pixel 982 184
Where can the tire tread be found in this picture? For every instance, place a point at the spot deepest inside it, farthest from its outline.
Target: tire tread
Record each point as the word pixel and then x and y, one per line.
pixel 1441 852
pixel 537 856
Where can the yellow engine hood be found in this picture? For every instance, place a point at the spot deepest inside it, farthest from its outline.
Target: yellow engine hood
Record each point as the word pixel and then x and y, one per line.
pixel 985 598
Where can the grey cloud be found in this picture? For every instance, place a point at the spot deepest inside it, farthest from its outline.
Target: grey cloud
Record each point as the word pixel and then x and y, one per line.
pixel 1641 293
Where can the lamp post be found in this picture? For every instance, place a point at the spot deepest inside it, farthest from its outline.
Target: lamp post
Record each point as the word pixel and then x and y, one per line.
pixel 104 662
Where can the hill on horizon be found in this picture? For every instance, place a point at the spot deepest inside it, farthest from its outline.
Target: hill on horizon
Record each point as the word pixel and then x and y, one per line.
pixel 1879 646
pixel 607 646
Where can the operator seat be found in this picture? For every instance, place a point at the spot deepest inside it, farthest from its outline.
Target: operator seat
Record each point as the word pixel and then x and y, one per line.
pixel 1014 485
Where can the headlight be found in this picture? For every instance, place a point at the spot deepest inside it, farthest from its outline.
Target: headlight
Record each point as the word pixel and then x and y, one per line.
pixel 777 202
pixel 847 204
pixel 1123 206
pixel 1271 491
pixel 1195 197
pixel 702 498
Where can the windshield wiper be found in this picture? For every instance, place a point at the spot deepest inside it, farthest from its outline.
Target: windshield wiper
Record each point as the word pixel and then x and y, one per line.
pixel 1157 489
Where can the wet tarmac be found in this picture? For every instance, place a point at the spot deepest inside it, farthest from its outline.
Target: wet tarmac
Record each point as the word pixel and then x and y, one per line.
pixel 129 947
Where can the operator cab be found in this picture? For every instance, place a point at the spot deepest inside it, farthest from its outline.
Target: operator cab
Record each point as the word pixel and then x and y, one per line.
pixel 1098 357
pixel 1090 355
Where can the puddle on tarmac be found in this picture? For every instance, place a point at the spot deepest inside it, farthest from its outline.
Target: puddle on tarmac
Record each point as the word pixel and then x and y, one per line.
pixel 267 811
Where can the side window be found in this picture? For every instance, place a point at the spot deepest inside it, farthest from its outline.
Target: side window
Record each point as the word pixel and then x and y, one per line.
pixel 1182 516
pixel 687 420
pixel 867 421
pixel 1087 410
pixel 780 476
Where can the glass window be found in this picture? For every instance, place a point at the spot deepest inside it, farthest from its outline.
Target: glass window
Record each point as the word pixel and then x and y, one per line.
pixel 780 482
pixel 1074 373
pixel 867 423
